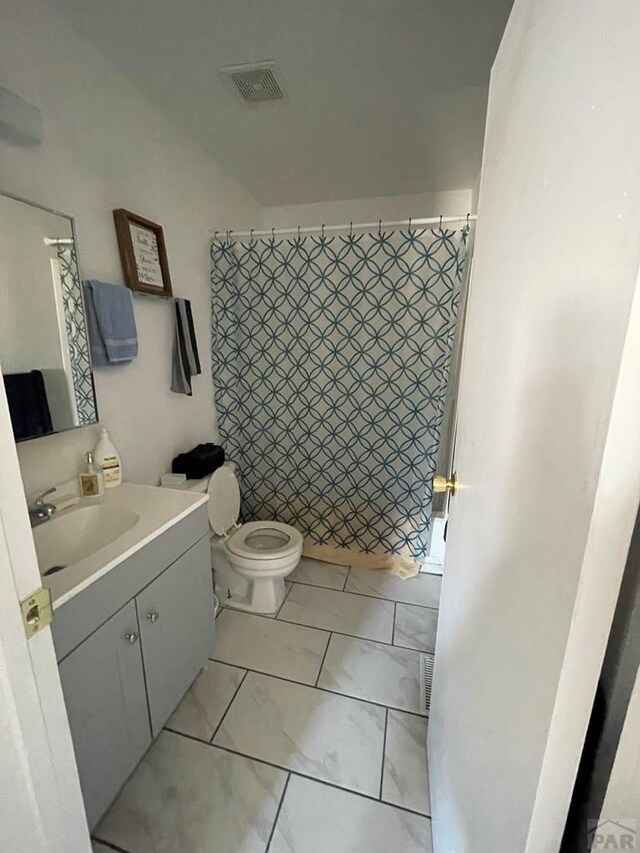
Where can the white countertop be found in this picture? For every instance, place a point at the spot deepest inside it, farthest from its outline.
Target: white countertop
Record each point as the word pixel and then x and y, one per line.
pixel 158 510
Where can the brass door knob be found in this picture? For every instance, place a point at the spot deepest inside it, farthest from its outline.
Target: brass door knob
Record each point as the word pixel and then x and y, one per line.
pixel 441 484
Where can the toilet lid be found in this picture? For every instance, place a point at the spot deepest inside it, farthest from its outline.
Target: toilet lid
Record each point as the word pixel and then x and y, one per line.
pixel 265 540
pixel 224 500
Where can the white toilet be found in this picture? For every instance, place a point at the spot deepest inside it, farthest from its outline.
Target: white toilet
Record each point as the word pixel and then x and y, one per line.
pixel 249 561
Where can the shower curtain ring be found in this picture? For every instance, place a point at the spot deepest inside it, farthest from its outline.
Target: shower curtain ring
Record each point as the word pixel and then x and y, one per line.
pixel 379 226
pixel 298 232
pixel 323 229
pixel 273 233
pixel 440 226
pixel 251 236
pixel 409 225
pixel 468 218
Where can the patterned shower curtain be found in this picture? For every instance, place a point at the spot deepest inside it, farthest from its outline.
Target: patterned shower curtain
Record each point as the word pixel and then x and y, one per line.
pixel 330 358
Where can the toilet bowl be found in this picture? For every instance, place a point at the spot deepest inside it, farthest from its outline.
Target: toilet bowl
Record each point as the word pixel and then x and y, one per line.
pixel 250 561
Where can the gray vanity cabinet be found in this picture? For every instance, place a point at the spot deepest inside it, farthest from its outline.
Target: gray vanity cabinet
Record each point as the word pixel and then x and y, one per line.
pixel 103 684
pixel 175 619
pixel 129 646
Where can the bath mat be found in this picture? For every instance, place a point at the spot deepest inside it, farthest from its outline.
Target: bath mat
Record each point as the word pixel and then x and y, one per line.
pixel 395 564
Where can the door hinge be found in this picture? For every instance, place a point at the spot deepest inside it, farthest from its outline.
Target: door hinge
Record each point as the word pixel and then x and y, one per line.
pixel 37 611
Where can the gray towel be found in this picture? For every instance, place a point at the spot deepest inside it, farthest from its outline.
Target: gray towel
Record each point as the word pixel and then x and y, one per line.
pixel 112 326
pixel 186 362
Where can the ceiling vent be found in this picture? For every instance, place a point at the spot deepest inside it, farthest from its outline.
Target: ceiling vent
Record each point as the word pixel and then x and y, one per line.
pixel 256 82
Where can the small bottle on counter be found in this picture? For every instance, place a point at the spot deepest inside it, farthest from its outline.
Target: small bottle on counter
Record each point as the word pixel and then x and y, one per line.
pixel 91 480
pixel 108 460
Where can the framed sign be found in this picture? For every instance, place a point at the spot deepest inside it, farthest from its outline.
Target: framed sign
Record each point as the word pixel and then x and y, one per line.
pixel 143 254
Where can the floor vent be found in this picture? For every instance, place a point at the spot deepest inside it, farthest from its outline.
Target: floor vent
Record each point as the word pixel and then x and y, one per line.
pixel 426 679
pixel 255 83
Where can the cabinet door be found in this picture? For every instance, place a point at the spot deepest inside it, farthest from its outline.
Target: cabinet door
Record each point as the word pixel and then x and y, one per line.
pixel 103 684
pixel 176 617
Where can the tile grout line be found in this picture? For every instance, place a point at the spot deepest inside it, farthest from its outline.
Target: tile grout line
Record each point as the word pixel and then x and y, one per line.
pixel 333 631
pixel 275 820
pixel 346 578
pixel 109 844
pixel 325 690
pixel 315 585
pixel 284 600
pixel 324 656
pixel 341 633
pixel 366 595
pixel 384 751
pixel 299 773
pixel 353 592
pixel 226 710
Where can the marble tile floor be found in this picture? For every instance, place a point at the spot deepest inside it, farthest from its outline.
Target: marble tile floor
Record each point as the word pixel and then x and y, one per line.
pixel 304 734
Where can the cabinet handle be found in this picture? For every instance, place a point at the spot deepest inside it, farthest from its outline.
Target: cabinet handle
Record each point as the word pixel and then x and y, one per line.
pixel 153 617
pixel 132 637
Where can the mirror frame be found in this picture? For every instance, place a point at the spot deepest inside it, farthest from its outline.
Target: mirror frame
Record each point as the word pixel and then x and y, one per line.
pixel 74 233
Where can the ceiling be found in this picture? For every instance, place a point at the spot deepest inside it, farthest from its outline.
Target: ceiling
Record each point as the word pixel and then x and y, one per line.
pixel 384 97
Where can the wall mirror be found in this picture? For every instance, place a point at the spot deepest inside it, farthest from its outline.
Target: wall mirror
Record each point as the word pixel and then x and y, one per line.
pixel 44 350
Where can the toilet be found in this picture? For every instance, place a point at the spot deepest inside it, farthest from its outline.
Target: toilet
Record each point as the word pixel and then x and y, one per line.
pixel 250 561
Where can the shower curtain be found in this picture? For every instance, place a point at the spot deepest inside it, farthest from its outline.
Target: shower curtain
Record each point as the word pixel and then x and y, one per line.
pixel 330 358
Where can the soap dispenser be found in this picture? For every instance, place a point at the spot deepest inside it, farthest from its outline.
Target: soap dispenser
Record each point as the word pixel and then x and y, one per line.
pixel 91 480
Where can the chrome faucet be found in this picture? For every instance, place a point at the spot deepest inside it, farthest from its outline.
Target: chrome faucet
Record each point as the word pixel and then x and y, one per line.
pixel 41 511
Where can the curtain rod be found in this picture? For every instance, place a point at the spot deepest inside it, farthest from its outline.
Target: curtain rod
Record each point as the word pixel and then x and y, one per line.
pixel 348 226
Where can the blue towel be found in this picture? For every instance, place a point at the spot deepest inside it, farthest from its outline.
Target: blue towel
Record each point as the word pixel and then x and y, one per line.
pixel 112 326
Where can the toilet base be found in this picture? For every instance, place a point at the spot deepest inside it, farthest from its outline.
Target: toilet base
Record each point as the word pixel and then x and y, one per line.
pixel 261 596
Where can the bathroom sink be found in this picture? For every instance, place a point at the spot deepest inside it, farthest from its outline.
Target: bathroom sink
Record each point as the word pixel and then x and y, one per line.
pixel 81 544
pixel 78 533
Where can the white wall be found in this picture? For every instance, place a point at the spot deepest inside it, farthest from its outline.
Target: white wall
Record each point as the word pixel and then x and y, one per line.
pixel 449 203
pixel 107 146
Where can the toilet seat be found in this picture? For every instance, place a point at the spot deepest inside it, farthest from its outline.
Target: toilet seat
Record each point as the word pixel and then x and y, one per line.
pixel 264 541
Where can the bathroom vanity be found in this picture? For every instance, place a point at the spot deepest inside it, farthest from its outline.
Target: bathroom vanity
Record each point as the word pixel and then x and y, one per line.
pixel 130 571
pixel 133 623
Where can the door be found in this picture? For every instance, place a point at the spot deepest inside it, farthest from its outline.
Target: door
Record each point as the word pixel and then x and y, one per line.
pixel 176 618
pixel 548 444
pixel 41 805
pixel 103 684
